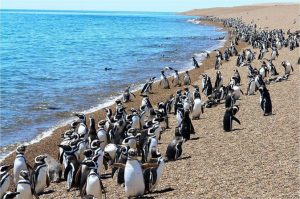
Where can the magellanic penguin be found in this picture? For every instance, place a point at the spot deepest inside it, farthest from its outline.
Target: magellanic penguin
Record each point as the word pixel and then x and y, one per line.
pixel 219 80
pixel 176 79
pixel 174 149
pixel 164 81
pixel 24 186
pixel 134 178
pixel 153 175
pixel 20 163
pixel 186 127
pixel 206 85
pixel 5 179
pixel 92 134
pixel 197 106
pixel 98 154
pixel 102 134
pixel 40 178
pixel 195 63
pixel 287 67
pixel 93 185
pixel 229 117
pixel 186 78
pixel 71 169
pixel 251 86
pixel 265 101
pixel 127 95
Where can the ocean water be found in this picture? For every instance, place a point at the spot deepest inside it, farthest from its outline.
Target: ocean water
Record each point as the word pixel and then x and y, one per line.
pixel 52 62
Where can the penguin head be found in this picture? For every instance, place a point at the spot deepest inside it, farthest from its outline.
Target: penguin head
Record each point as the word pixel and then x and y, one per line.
pixel 88 153
pixel 5 168
pixel 101 123
pixel 74 124
pixel 40 159
pixel 24 174
pixel 21 149
pixel 92 121
pixel 187 72
pixel 95 144
pixel 81 116
pixel 133 110
pixel 235 109
pixel 118 102
pixel 132 154
pixel 90 164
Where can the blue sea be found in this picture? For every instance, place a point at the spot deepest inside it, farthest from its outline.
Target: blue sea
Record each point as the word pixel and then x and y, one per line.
pixel 52 62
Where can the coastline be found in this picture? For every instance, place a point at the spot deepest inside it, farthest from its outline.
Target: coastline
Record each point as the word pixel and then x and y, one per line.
pixel 211 148
pixel 98 112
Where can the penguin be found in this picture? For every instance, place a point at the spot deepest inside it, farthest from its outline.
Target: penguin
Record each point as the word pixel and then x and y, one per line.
pixel 195 63
pixel 164 81
pixel 219 80
pixel 229 99
pixel 81 125
pixel 177 101
pixel 251 86
pixel 24 186
pixel 20 163
pixel 93 185
pixel 176 79
pixel 265 101
pixel 83 170
pixel 4 179
pixel 218 62
pixel 148 86
pixel 259 81
pixel 136 123
pixel 127 95
pixel 92 134
pixel 186 78
pixel 98 154
pixel 287 67
pixel 197 106
pixel 71 169
pixel 40 178
pixel 229 117
pixel 133 175
pixel 186 127
pixel 206 85
pixel 10 195
pixel 180 113
pixel 101 134
pixel 174 149
pixel 152 175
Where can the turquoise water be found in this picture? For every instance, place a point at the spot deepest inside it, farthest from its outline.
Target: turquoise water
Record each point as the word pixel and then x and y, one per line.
pixel 52 63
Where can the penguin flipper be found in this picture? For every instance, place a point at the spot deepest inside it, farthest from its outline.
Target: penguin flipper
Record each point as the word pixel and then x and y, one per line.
pixel 119 165
pixel 78 176
pixel 83 190
pixel 47 180
pixel 149 165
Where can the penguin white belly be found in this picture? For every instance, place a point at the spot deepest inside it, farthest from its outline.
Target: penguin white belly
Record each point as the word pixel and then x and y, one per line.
pixel 176 80
pixel 82 129
pixel 134 179
pixel 186 80
pixel 262 72
pixel 237 92
pixel 25 191
pixel 103 138
pixel 100 163
pixel 111 149
pixel 179 118
pixel 4 186
pixel 251 88
pixel 197 108
pixel 93 187
pixel 19 165
pixel 152 147
pixel 159 172
pixel 41 180
pixel 186 106
pixel 135 122
pixel 165 83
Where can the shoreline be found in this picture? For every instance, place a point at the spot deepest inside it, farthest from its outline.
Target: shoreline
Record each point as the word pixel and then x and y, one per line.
pixel 98 111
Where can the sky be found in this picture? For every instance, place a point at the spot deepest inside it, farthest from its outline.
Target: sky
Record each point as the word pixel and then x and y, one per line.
pixel 126 5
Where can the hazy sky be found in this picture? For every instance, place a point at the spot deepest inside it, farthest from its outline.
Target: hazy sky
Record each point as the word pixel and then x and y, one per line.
pixel 125 5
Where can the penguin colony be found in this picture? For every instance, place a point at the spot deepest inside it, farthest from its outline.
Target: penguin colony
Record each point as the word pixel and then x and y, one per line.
pixel 126 142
